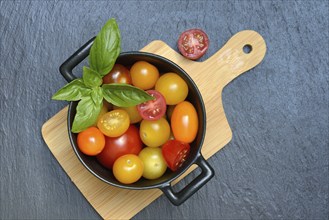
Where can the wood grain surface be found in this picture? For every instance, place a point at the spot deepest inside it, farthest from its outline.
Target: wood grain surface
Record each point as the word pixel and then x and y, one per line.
pixel 115 203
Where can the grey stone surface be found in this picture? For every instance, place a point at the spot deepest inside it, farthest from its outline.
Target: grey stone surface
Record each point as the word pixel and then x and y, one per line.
pixel 276 166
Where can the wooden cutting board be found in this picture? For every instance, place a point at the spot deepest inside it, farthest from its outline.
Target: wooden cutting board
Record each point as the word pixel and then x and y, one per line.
pixel 211 76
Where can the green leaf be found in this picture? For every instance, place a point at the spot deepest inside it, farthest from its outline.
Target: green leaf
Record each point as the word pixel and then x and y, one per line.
pixel 106 48
pixel 124 95
pixel 91 78
pixel 72 91
pixel 97 95
pixel 88 110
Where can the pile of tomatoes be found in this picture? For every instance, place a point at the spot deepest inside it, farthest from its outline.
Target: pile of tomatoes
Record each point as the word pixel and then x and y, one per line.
pixel 143 140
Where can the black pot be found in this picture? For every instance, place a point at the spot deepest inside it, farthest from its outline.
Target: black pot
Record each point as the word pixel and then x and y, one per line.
pixel 164 182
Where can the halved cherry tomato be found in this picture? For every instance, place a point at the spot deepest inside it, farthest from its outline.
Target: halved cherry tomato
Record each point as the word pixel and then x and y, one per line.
pixel 175 153
pixel 114 123
pixel 118 74
pixel 173 88
pixel 144 75
pixel 91 141
pixel 115 147
pixel 128 168
pixel 153 109
pixel 193 43
pixel 184 122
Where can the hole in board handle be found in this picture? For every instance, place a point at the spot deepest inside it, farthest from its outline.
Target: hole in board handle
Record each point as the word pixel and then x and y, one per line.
pixel 247 48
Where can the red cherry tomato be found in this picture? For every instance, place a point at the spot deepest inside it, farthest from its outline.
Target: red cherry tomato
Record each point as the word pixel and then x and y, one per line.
pixel 128 143
pixel 154 109
pixel 118 74
pixel 175 153
pixel 193 43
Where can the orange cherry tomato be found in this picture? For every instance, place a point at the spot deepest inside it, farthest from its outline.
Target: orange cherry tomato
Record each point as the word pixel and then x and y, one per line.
pixel 144 75
pixel 128 168
pixel 91 141
pixel 184 122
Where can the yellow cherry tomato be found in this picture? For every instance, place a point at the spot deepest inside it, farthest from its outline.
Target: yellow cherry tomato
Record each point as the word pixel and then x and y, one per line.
pixel 154 163
pixel 128 168
pixel 172 87
pixel 114 123
pixel 154 133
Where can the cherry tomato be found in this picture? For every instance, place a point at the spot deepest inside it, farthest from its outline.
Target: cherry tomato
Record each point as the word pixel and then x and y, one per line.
pixel 128 168
pixel 154 163
pixel 133 113
pixel 128 143
pixel 153 109
pixel 154 133
pixel 91 141
pixel 172 87
pixel 118 74
pixel 114 123
pixel 144 75
pixel 193 43
pixel 175 153
pixel 184 122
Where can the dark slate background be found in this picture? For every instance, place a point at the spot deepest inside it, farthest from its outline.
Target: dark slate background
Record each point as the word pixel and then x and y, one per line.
pixel 276 166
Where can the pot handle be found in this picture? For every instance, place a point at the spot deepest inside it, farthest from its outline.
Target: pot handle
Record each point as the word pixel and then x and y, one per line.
pixel 66 68
pixel 177 198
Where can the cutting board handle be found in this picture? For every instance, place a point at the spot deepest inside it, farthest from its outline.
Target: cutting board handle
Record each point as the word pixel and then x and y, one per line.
pixel 242 52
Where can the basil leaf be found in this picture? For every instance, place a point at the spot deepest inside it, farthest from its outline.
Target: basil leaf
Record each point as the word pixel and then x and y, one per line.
pixel 106 48
pixel 91 78
pixel 72 91
pixel 124 95
pixel 87 111
pixel 97 95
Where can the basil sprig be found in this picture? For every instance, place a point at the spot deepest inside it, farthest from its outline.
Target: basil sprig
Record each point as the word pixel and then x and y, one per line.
pixel 106 48
pixel 124 95
pixel 89 90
